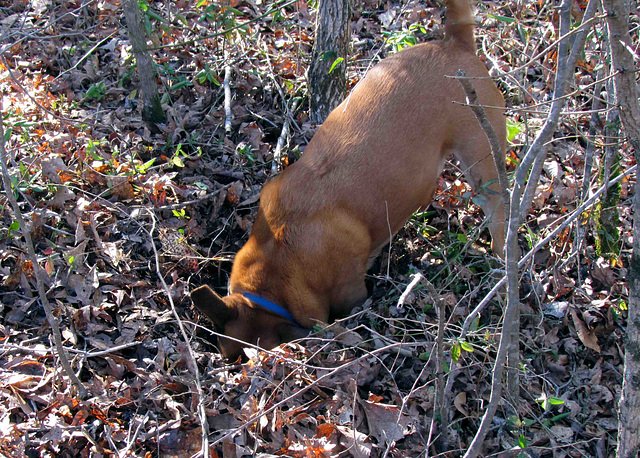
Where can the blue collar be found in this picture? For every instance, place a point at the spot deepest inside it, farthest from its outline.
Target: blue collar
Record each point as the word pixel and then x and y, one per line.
pixel 271 306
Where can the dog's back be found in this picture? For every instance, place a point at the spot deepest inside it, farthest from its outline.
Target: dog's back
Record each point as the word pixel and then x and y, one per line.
pixel 379 153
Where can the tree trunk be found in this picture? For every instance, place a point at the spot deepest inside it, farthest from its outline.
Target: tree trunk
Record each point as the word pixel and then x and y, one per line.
pixel 327 72
pixel 627 96
pixel 152 108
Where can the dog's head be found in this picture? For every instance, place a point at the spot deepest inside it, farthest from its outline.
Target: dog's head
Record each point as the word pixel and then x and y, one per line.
pixel 236 316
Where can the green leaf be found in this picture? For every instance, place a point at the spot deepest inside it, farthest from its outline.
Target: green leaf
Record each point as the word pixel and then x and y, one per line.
pixel 508 20
pixel 522 441
pixel 479 200
pixel 175 160
pixel 455 352
pixel 181 84
pixel 466 346
pixel 547 401
pixel 559 417
pixel 181 18
pixel 336 63
pixel 234 11
pixel 153 15
pixel 513 129
pixel 462 238
pixel 143 168
pixel 555 401
pixel 328 55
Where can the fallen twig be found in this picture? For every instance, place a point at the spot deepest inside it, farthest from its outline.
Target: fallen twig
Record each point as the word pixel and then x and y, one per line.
pixel 202 414
pixel 227 94
pixel 94 354
pixel 417 278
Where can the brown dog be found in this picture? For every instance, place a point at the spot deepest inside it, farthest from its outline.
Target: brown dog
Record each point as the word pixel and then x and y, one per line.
pixel 375 161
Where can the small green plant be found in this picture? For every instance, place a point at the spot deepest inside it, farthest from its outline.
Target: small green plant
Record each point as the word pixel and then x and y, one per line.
pixel 180 81
pixel 206 75
pixel 142 169
pixel 522 441
pixel 91 149
pixel 116 163
pixel 246 150
pixel 96 91
pixel 224 17
pixel 619 307
pixel 28 181
pixel 12 230
pixel 180 214
pixel 404 38
pixel 127 75
pixel 458 347
pixel 608 241
pixel 176 159
pixel 547 402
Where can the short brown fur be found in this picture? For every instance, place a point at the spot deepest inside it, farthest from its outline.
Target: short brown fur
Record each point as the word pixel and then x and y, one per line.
pixel 373 163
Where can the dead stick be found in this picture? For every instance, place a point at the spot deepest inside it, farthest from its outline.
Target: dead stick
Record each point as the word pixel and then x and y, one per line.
pixel 277 155
pixel 492 137
pixel 227 94
pixel 566 67
pixel 26 232
pixel 202 415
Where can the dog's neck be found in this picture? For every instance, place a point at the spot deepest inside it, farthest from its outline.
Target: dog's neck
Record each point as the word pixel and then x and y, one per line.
pixel 271 306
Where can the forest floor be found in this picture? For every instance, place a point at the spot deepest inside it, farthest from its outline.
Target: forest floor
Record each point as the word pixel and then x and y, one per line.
pixel 115 207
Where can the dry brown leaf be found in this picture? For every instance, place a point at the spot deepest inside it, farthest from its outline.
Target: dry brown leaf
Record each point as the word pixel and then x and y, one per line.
pixel 603 272
pixel 121 188
pixel 562 434
pixel 386 423
pixel 587 337
pixel 459 402
pixel 357 442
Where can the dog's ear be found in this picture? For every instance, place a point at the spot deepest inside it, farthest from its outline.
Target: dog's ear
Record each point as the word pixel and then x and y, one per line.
pixel 289 331
pixel 212 305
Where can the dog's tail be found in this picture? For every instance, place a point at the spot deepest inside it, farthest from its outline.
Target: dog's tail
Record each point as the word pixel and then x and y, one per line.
pixel 459 23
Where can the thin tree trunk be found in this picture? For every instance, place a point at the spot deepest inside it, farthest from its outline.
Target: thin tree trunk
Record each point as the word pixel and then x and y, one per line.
pixel 152 108
pixel 327 72
pixel 627 97
pixel 520 203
